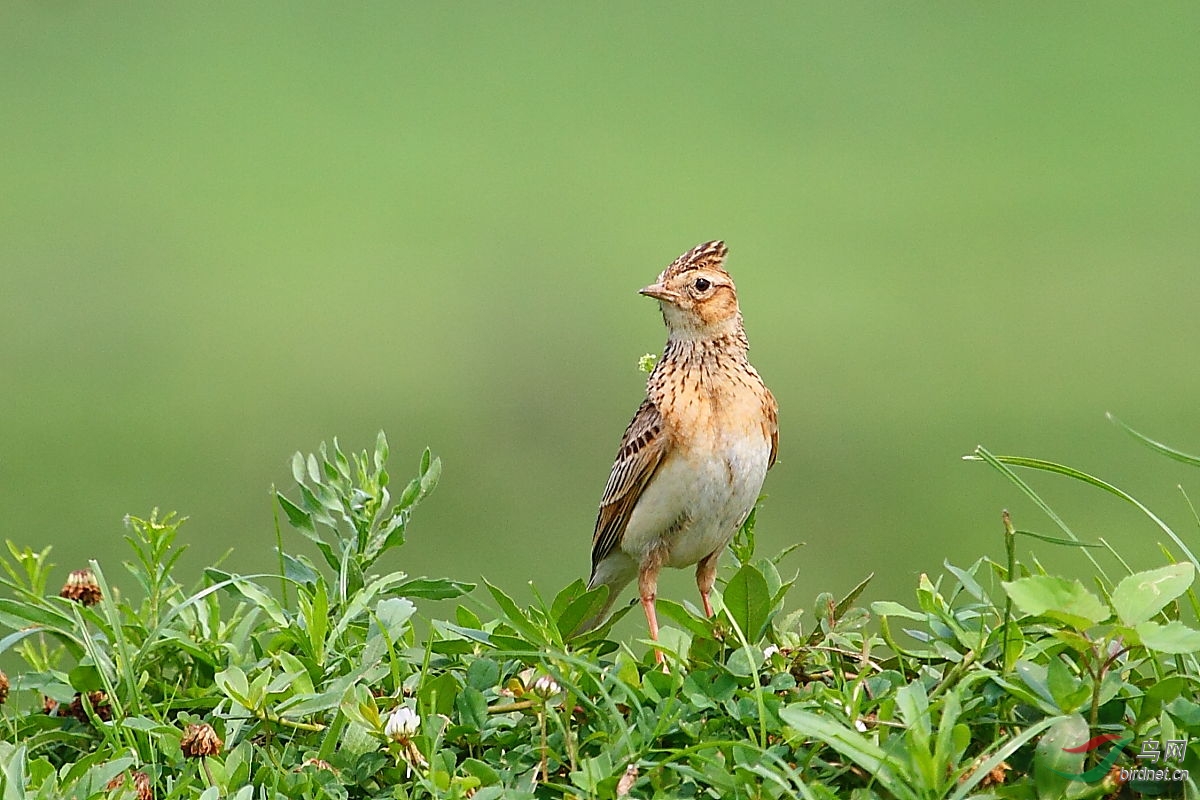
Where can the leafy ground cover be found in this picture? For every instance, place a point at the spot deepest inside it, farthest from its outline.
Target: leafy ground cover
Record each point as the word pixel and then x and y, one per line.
pixel 322 679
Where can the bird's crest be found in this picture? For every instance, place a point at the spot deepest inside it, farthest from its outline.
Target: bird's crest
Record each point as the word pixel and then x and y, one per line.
pixel 710 255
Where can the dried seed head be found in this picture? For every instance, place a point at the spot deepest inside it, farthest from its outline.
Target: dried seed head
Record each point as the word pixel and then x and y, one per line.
pixel 627 781
pixel 100 707
pixel 200 740
pixel 141 782
pixel 995 776
pixel 3 687
pixel 141 785
pixel 81 587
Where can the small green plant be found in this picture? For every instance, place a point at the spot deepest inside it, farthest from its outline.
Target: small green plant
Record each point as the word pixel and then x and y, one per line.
pixel 322 679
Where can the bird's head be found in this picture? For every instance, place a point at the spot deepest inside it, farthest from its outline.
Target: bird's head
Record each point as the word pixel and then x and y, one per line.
pixel 697 296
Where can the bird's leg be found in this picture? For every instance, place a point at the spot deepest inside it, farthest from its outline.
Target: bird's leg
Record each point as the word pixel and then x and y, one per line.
pixel 648 590
pixel 706 576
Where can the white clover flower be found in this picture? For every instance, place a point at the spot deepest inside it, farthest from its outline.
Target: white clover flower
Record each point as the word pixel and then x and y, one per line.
pixel 402 723
pixel 770 650
pixel 546 687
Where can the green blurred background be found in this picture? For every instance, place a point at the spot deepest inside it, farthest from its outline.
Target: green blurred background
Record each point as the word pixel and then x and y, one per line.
pixel 229 231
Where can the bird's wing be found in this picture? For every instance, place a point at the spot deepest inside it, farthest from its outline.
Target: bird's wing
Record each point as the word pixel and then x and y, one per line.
pixel 772 426
pixel 641 451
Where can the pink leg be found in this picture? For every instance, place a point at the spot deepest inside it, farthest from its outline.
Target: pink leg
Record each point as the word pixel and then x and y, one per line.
pixel 706 576
pixel 648 590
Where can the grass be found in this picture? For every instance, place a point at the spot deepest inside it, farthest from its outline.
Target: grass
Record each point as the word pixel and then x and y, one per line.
pixel 323 679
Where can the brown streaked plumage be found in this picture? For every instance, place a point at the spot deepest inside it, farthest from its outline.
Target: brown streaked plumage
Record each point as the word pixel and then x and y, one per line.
pixel 692 461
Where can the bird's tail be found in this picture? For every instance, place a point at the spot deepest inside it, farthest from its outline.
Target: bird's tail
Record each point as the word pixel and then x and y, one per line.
pixel 597 619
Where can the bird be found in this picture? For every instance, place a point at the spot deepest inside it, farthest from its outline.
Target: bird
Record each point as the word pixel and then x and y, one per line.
pixel 692 461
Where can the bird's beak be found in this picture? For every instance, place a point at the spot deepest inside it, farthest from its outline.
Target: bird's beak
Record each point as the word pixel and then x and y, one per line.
pixel 659 292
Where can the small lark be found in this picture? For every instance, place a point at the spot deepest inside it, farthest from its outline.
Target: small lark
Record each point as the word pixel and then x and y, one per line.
pixel 692 461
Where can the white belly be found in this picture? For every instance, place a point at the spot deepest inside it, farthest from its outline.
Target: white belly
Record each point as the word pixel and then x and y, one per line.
pixel 696 501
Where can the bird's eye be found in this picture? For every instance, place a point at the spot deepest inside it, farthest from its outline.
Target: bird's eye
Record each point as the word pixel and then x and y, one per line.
pixel 702 284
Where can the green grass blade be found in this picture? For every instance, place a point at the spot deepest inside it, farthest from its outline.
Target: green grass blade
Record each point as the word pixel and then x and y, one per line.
pixel 1166 450
pixel 1000 755
pixel 1057 539
pixel 1070 472
pixel 998 463
pixel 885 768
